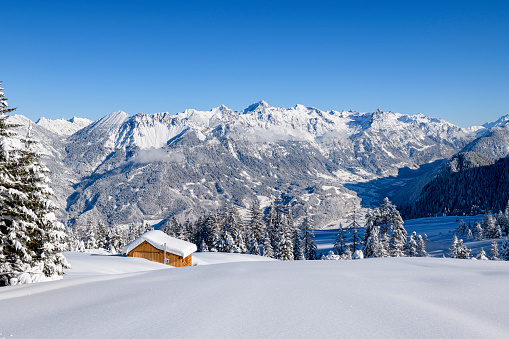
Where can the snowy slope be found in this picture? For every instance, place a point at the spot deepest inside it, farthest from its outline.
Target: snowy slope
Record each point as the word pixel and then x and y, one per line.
pixel 373 298
pixel 62 126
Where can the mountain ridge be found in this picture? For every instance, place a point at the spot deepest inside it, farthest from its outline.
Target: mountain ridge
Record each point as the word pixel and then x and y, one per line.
pixel 123 168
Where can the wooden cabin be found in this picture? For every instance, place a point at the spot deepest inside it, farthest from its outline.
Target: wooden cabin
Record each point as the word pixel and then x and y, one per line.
pixel 158 246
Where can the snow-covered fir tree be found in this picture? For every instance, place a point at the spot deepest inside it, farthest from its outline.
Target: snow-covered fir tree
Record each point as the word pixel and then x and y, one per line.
pixel 298 253
pixel 462 228
pixel 469 234
pixel 386 221
pixel 482 255
pixel 268 251
pixel 347 254
pixel 31 239
pixel 356 240
pixel 284 249
pixel 478 231
pixel 458 249
pixel 494 250
pixel 256 226
pixel 421 247
pixel 504 250
pixel 308 239
pixel 373 247
pixel 339 242
pixel 411 246
pixel 503 223
pixel 490 227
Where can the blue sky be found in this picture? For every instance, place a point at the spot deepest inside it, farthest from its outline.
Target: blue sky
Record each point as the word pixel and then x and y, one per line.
pixel 445 59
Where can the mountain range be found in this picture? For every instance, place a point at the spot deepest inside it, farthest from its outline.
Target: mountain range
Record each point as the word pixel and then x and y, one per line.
pixel 122 169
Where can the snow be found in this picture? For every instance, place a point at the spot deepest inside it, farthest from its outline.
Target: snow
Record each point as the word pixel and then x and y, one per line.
pixel 62 126
pixel 158 239
pixel 118 297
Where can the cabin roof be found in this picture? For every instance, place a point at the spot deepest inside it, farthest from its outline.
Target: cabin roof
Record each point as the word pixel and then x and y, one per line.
pixel 158 239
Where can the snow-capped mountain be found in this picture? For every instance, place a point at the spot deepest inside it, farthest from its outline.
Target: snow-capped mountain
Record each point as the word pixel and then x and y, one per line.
pixel 151 166
pixel 64 127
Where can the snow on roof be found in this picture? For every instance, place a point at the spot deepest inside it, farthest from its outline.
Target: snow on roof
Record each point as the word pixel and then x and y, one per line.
pixel 158 239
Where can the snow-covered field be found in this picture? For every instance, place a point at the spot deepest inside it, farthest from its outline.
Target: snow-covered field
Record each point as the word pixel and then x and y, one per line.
pixel 118 297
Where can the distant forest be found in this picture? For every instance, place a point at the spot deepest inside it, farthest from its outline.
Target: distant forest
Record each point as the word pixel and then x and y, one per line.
pixel 469 189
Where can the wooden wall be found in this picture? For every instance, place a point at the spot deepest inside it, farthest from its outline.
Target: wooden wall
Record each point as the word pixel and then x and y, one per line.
pixel 147 251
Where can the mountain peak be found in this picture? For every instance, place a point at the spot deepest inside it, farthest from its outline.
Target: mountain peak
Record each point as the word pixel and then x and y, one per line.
pixel 260 105
pixel 501 122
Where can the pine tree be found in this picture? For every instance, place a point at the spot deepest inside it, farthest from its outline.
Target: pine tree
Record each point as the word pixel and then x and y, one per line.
pixel 253 245
pixel 256 224
pixel 339 242
pixel 503 223
pixel 308 239
pixel 478 232
pixel 494 250
pixel 469 234
pixel 356 239
pixel 411 246
pixel 298 253
pixel 489 226
pixel 421 247
pixel 347 254
pixel 482 255
pixel 31 240
pixel 285 239
pixel 373 247
pixel 453 250
pixel 458 249
pixel 504 250
pixel 353 220
pixel 462 228
pixel 398 236
pixel 268 251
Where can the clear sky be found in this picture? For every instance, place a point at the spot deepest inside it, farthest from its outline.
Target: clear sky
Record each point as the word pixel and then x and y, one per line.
pixel 447 59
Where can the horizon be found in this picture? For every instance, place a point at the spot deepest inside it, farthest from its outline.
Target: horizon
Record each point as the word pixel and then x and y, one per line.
pixel 35 120
pixel 444 60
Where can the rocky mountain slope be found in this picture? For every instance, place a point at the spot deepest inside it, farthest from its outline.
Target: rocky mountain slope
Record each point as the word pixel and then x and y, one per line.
pixel 125 168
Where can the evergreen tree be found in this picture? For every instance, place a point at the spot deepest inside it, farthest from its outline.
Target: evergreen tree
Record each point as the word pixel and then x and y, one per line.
pixel 421 247
pixel 285 239
pixel 502 223
pixel 353 220
pixel 356 239
pixel 453 250
pixel 411 246
pixel 31 240
pixel 398 236
pixel 272 225
pixel 504 250
pixel 298 253
pixel 462 228
pixel 339 242
pixel 478 232
pixel 489 226
pixel 458 249
pixel 373 247
pixel 482 255
pixel 268 251
pixel 347 254
pixel 308 239
pixel 494 250
pixel 256 224
pixel 253 245
pixel 389 228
